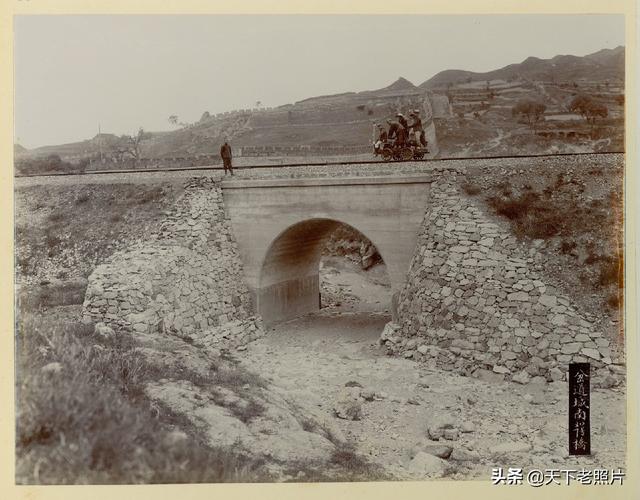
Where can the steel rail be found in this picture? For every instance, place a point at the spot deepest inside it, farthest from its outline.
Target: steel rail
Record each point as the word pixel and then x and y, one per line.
pixel 307 164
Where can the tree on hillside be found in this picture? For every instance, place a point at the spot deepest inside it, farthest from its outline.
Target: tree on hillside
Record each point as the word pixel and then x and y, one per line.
pixel 531 111
pixel 173 120
pixel 128 147
pixel 588 108
pixel 134 144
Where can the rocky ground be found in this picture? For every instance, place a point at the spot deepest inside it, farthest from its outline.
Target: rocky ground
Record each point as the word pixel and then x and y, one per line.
pixel 313 399
pixel 416 422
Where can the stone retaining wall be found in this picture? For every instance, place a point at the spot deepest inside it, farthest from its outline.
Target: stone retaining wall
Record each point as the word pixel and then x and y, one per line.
pixel 474 301
pixel 186 280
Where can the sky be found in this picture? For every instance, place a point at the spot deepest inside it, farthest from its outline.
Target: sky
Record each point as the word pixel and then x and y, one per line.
pixel 73 73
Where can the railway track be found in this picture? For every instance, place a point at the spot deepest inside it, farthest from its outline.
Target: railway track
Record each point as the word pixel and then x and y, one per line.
pixel 306 164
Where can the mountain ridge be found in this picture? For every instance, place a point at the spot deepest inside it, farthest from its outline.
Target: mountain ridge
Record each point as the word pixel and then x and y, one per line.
pixel 608 62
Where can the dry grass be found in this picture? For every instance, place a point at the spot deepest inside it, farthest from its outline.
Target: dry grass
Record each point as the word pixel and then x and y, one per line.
pixel 345 465
pixel 91 423
pixel 51 295
pixel 79 225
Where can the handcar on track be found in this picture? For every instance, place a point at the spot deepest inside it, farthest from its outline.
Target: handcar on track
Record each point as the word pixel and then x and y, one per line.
pixel 410 150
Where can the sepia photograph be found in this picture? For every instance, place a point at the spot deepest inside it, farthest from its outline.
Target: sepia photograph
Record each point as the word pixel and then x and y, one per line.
pixel 320 249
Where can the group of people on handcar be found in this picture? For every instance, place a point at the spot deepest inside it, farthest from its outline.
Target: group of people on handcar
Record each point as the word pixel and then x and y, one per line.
pixel 401 133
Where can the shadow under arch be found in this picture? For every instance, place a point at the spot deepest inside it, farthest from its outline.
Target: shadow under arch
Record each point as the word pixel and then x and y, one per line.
pixel 289 281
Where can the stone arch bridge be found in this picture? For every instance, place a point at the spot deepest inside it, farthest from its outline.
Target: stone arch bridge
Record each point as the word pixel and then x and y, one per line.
pixel 281 226
pixel 466 293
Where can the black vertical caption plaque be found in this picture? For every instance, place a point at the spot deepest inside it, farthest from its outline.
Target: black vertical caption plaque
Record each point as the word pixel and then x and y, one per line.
pixel 579 406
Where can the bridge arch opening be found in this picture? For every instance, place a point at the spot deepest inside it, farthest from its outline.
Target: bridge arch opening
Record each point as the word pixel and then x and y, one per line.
pixel 289 281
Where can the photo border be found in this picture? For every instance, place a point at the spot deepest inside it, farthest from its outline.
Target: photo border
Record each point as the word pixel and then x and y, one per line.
pixel 370 490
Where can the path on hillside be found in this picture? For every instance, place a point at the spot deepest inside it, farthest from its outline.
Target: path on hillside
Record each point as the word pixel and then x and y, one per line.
pixel 313 357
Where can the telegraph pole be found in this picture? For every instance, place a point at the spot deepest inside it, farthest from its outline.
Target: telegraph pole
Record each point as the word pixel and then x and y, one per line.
pixel 100 142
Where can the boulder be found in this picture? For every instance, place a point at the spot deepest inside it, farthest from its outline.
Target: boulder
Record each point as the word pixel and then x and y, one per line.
pixel 464 455
pixel 349 405
pixel 52 368
pixel 435 433
pixel 501 370
pixel 451 434
pixel 427 465
pixel 510 447
pixel 390 331
pixel 521 377
pixel 438 450
pixel 488 376
pixel 103 331
pixel 368 394
pixel 467 427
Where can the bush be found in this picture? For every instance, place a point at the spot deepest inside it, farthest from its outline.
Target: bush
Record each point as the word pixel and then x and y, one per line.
pixel 566 247
pixel 530 216
pixel 611 272
pixel 52 240
pixel 47 165
pixel 56 216
pixel 514 207
pixel 614 300
pixel 83 198
pixel 152 195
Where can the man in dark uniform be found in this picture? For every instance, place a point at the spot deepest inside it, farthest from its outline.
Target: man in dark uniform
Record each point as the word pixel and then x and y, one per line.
pixel 383 134
pixel 225 153
pixel 416 127
pixel 382 138
pixel 397 132
pixel 403 121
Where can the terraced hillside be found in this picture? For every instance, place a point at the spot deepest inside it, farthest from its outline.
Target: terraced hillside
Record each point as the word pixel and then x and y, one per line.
pixel 473 114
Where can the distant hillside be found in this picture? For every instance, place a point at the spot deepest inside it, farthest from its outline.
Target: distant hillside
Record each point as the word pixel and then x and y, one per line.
pixel 606 64
pixel 344 119
pixel 347 119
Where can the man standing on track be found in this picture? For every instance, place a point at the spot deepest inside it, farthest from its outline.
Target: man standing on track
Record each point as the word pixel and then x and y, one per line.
pixel 416 127
pixel 225 153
